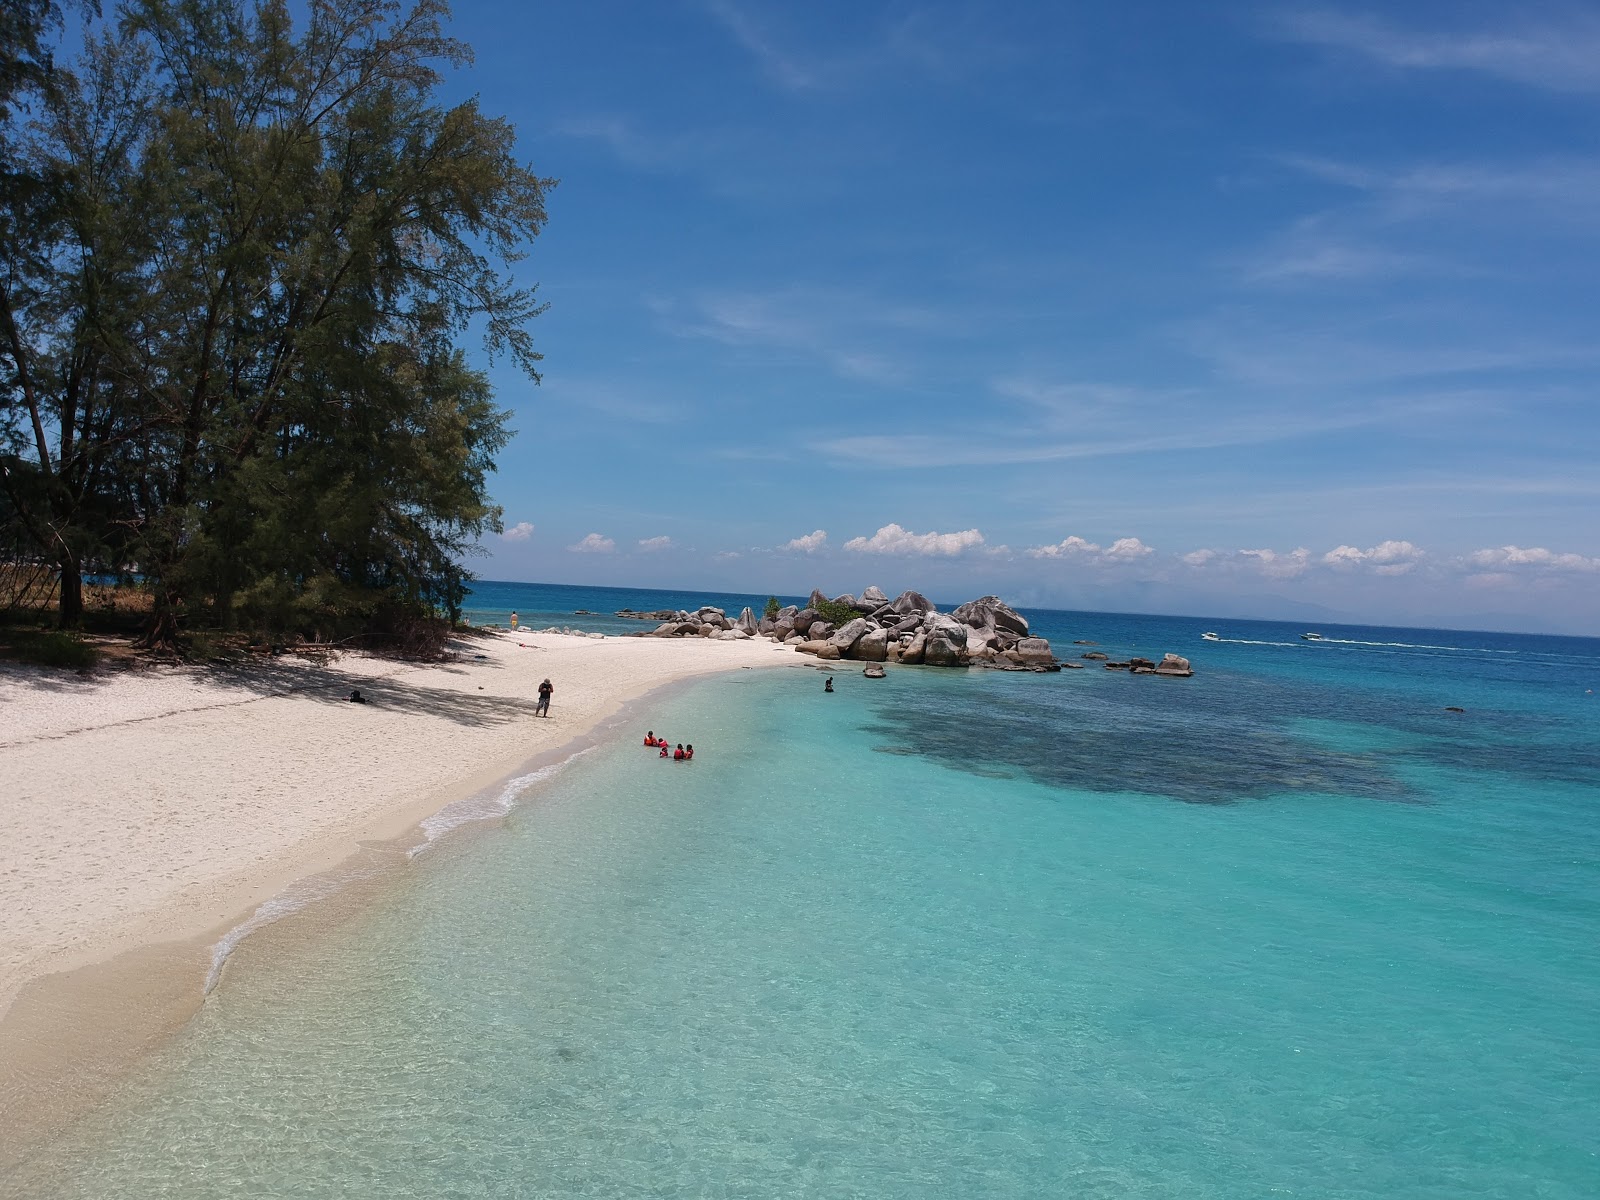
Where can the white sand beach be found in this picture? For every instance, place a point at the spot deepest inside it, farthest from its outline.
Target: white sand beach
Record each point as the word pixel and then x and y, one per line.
pixel 161 804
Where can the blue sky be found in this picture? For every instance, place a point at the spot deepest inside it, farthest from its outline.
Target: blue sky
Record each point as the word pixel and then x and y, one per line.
pixel 1224 309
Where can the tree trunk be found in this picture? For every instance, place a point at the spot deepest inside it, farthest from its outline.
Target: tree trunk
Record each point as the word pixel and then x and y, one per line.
pixel 162 632
pixel 71 603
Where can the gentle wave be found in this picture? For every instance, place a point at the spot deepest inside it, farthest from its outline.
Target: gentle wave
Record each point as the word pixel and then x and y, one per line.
pixel 484 808
pixel 307 892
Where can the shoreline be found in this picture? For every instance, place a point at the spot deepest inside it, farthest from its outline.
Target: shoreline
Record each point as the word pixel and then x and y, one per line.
pixel 89 1003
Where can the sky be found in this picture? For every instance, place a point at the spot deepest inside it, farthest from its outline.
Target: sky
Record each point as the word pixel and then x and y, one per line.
pixel 1226 309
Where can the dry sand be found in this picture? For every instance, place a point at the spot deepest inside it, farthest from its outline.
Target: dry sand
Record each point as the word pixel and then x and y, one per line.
pixel 149 807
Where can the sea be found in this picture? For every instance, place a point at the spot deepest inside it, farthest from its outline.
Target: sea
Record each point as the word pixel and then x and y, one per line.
pixel 1322 921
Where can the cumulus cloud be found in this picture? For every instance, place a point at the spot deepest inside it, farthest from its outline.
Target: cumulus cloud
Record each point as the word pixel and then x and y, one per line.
pixel 816 540
pixel 892 539
pixel 1068 547
pixel 1198 558
pixel 1386 558
pixel 1128 549
pixel 1276 564
pixel 1534 557
pixel 594 543
pixel 520 532
pixel 655 543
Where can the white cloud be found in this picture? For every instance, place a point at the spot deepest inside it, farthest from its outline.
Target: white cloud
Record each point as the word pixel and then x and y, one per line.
pixel 1546 56
pixel 1068 547
pixel 594 543
pixel 655 543
pixel 1198 558
pixel 1275 564
pixel 1386 558
pixel 520 532
pixel 726 554
pixel 1128 549
pixel 1536 557
pixel 892 539
pixel 816 540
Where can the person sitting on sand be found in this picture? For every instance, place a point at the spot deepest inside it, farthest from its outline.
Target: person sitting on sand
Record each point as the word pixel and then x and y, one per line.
pixel 677 755
pixel 688 752
pixel 355 697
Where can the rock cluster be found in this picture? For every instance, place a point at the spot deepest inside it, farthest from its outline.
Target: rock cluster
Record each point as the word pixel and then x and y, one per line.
pixel 985 632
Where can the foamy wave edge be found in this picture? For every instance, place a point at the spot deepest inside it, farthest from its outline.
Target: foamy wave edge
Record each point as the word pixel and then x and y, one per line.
pixel 308 891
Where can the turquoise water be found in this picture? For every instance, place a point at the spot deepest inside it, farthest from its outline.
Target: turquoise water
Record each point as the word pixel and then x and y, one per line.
pixel 1284 929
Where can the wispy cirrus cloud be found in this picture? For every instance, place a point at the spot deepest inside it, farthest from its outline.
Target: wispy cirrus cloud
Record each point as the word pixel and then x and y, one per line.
pixel 651 545
pixel 938 46
pixel 1558 53
pixel 892 539
pixel 856 336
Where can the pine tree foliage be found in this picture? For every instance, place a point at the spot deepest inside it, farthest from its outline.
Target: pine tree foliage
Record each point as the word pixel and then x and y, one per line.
pixel 233 323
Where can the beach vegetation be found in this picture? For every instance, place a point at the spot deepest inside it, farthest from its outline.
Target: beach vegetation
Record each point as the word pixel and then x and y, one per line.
pixel 839 614
pixel 49 648
pixel 771 609
pixel 240 255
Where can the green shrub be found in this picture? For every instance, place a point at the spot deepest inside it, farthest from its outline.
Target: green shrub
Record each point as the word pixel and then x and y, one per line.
pixel 838 613
pixel 51 648
pixel 771 610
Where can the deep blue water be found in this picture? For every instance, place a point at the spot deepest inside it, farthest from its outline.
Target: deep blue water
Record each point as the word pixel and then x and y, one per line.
pixel 1288 928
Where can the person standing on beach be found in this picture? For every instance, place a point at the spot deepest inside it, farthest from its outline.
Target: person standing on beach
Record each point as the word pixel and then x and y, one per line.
pixel 546 690
pixel 513 622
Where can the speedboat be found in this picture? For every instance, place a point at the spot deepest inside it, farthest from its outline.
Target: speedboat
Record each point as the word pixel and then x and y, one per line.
pixel 1209 637
pixel 1311 637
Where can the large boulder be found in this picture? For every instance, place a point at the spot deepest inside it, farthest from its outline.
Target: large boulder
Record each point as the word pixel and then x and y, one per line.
pixel 746 624
pixel 874 596
pixel 817 599
pixel 766 625
pixel 809 647
pixel 1174 664
pixel 1033 651
pixel 991 612
pixel 730 635
pixel 802 619
pixel 943 625
pixel 845 601
pixel 911 602
pixel 787 613
pixel 940 651
pixel 820 629
pixel 665 629
pixel 873 646
pixel 912 651
pixel 907 624
pixel 848 634
pixel 978 644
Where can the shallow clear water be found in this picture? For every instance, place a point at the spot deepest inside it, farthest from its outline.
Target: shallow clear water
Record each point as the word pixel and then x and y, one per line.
pixel 1284 929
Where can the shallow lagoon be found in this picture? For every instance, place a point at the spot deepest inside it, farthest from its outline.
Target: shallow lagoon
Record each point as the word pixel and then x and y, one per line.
pixel 1286 928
